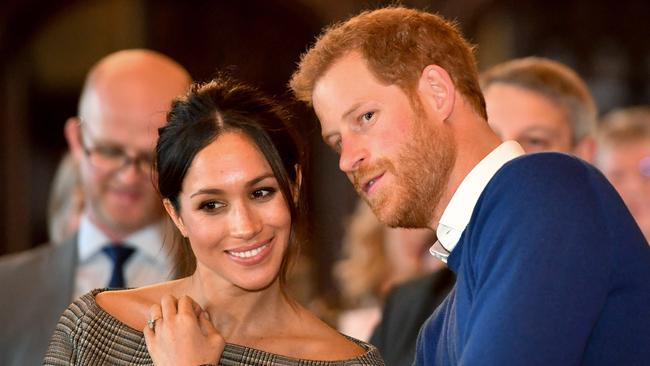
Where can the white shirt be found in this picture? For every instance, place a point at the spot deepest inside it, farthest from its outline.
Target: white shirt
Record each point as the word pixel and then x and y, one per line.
pixel 150 263
pixel 458 212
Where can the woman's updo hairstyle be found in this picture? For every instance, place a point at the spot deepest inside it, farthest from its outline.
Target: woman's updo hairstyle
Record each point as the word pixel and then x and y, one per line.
pixel 225 105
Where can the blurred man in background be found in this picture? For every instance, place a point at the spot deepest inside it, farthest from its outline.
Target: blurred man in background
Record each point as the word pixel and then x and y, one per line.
pixel 121 231
pixel 542 104
pixel 623 155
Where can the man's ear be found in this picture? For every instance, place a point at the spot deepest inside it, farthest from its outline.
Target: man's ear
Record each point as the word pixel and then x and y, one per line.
pixel 72 134
pixel 178 221
pixel 437 90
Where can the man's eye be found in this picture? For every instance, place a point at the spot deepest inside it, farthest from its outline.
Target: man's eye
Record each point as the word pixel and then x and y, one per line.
pixel 363 121
pixel 334 144
pixel 366 117
pixel 111 152
pixel 535 144
pixel 263 193
pixel 337 146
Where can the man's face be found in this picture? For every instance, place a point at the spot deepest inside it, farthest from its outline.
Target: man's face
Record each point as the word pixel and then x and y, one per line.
pixel 398 160
pixel 120 200
pixel 627 166
pixel 527 117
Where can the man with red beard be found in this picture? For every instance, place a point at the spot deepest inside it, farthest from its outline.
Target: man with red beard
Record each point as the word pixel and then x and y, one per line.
pixel 551 268
pixel 120 238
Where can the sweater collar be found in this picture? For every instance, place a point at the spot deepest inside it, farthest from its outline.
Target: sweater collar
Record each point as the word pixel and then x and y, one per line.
pixel 458 212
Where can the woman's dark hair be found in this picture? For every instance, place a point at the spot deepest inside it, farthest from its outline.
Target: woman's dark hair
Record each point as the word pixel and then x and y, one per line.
pixel 225 105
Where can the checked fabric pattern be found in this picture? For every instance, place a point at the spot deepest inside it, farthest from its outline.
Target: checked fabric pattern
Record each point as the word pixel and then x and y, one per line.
pixel 87 335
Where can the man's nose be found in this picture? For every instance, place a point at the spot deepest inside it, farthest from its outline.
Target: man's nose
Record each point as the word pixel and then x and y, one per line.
pixel 133 169
pixel 352 155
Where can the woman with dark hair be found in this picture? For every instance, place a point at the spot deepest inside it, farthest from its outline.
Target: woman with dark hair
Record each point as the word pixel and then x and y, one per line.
pixel 229 170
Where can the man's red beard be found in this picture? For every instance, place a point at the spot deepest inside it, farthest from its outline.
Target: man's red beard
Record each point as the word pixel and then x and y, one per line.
pixel 421 173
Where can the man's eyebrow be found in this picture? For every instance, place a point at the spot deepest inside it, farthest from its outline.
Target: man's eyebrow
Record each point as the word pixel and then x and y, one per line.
pixel 350 110
pixel 328 136
pixel 345 115
pixel 550 131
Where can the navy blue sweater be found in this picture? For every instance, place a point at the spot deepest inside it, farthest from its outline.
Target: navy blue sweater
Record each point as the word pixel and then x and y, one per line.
pixel 551 270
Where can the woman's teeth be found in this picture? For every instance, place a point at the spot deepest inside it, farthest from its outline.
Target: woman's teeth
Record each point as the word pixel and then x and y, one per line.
pixel 249 253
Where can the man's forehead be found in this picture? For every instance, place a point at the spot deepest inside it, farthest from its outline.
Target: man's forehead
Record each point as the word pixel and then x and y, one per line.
pixel 121 131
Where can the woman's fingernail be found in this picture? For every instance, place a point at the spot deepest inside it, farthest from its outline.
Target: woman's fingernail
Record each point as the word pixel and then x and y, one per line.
pixel 206 315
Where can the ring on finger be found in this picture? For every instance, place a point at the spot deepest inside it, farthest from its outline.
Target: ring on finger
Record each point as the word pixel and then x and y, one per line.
pixel 151 323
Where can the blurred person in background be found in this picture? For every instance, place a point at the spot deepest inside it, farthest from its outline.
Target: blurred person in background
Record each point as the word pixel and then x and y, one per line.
pixel 374 259
pixel 65 204
pixel 542 104
pixel 121 230
pixel 623 155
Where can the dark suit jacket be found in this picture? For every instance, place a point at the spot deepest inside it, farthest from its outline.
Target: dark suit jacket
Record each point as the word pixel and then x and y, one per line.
pixel 37 286
pixel 407 307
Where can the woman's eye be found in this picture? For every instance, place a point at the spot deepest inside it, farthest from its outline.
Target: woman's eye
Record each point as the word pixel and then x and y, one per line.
pixel 210 206
pixel 263 193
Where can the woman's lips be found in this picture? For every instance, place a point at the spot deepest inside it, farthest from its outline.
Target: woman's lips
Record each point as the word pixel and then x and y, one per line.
pixel 251 254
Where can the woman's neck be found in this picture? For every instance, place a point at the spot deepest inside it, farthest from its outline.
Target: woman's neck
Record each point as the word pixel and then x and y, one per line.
pixel 236 311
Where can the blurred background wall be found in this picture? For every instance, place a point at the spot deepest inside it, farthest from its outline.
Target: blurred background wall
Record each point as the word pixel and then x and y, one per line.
pixel 46 48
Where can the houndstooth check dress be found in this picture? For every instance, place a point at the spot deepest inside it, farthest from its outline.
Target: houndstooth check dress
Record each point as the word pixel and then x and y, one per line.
pixel 87 335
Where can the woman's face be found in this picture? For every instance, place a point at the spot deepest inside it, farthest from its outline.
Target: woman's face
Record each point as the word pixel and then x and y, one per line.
pixel 233 213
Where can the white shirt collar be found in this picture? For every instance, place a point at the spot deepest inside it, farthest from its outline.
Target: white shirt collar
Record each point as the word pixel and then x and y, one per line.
pixel 147 241
pixel 459 210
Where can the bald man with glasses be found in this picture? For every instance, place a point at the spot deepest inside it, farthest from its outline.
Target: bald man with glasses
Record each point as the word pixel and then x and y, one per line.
pixel 121 233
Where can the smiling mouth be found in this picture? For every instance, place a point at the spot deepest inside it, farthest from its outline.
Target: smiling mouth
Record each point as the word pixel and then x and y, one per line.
pixel 369 184
pixel 248 253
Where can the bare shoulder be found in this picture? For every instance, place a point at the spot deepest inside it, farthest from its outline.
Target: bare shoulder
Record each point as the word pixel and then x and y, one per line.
pixel 131 307
pixel 322 342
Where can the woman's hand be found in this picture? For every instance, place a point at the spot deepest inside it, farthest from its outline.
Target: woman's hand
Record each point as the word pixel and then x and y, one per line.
pixel 180 333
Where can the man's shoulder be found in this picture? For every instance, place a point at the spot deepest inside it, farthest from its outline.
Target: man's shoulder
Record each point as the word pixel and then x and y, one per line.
pixel 552 163
pixel 539 176
pixel 37 287
pixel 42 255
pixel 47 269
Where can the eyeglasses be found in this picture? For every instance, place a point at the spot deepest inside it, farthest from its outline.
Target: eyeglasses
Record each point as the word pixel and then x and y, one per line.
pixel 113 158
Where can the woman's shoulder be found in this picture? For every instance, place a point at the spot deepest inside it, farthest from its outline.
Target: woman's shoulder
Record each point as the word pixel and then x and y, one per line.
pixel 326 343
pixel 85 313
pixel 86 331
pixel 370 356
pixel 349 348
pixel 348 351
pixel 84 307
pixel 131 306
